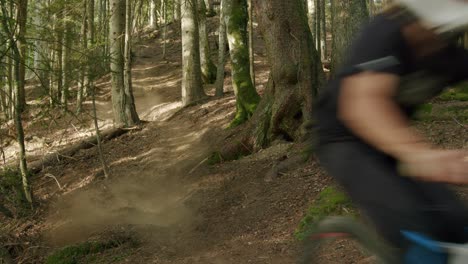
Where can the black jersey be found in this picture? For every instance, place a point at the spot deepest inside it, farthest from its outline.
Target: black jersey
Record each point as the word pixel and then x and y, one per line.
pixel 381 47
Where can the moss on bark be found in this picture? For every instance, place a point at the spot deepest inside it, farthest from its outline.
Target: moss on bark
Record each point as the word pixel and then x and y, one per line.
pixel 236 17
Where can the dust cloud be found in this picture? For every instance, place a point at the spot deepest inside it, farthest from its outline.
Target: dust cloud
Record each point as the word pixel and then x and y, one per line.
pixel 131 201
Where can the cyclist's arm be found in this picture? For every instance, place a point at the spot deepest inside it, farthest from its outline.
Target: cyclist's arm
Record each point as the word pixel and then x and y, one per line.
pixel 366 106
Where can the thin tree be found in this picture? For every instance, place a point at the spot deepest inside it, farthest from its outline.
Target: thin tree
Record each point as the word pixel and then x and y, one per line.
pixel 318 21
pixel 7 27
pixel 22 17
pixel 324 29
pixel 164 15
pixel 251 43
pixel 219 85
pixel 207 66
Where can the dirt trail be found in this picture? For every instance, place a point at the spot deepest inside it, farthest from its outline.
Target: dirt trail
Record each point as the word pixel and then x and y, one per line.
pixel 181 209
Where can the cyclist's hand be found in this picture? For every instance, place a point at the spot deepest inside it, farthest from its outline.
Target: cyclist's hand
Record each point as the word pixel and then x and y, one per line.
pixel 450 166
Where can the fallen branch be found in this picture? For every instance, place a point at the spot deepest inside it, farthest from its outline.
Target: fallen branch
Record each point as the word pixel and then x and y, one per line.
pixel 55 178
pixel 70 151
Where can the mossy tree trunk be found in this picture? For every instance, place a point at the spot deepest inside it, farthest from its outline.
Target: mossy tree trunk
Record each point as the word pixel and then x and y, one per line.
pixel 247 98
pixel 192 88
pixel 208 68
pixel 125 114
pixel 348 17
pixel 285 111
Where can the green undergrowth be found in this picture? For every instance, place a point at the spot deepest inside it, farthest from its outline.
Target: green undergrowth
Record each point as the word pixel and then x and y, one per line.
pixel 330 201
pixel 458 93
pixel 11 193
pixel 427 112
pixel 91 252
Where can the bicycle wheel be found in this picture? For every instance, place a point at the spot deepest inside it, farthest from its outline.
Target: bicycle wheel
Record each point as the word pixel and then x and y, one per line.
pixel 333 236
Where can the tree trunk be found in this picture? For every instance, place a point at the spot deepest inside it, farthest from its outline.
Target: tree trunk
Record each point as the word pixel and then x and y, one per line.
pixel 41 52
pixel 122 98
pixel 221 54
pixel 285 111
pixel 16 101
pixel 164 13
pixel 90 60
pixel 83 82
pixel 318 20
pixel 192 88
pixel 247 98
pixel 208 68
pixel 371 8
pixel 324 30
pixel 251 44
pixel 348 17
pixel 22 12
pixel 311 17
pixel 154 14
pixel 66 64
pixel 209 9
pixel 177 14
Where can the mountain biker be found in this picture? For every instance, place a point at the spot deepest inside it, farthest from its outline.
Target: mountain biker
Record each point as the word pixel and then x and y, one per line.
pixel 400 59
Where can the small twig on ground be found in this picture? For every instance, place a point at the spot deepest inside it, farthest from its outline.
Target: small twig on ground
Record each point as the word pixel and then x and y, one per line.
pixel 198 165
pixel 459 123
pixel 53 177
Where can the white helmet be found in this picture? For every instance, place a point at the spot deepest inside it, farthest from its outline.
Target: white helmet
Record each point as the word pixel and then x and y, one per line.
pixel 442 16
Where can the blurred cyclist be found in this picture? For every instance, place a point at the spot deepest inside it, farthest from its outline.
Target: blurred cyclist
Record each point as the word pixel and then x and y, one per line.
pixel 400 59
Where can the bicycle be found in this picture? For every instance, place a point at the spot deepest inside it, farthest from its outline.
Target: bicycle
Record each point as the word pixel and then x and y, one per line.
pixel 334 229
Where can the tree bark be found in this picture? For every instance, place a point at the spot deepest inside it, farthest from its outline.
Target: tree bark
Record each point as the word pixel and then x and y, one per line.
pixel 311 18
pixel 164 15
pixel 22 17
pixel 285 111
pixel 125 114
pixel 221 54
pixel 177 7
pixel 251 44
pixel 83 82
pixel 192 88
pixel 16 101
pixel 247 98
pixel 318 21
pixel 154 14
pixel 208 68
pixel 209 8
pixel 66 63
pixel 324 30
pixel 348 17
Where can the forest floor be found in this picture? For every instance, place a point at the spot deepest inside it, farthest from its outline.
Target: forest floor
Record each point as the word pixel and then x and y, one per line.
pixel 162 202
